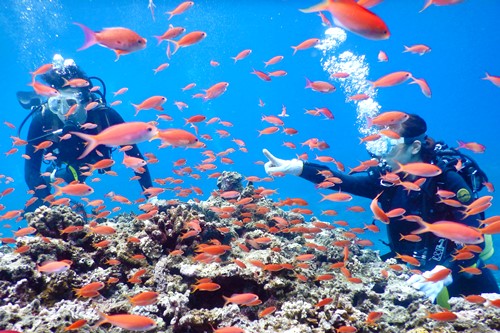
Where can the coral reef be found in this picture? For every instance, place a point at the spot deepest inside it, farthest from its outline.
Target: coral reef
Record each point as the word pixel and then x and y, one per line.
pixel 196 255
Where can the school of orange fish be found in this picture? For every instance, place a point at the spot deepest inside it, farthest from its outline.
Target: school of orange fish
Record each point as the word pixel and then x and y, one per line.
pixel 240 210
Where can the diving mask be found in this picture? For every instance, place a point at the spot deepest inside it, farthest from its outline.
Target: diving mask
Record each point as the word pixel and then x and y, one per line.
pixel 61 105
pixel 383 146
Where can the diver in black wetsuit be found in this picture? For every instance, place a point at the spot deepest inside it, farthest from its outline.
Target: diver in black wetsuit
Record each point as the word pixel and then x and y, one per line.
pixel 52 121
pixel 434 253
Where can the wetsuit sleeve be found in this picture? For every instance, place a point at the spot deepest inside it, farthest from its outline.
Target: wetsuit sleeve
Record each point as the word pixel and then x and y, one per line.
pixel 32 166
pixel 114 118
pixel 366 185
pixel 455 183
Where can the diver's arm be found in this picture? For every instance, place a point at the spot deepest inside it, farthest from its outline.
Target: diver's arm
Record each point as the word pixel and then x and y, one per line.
pixel 33 165
pixel 367 185
pixel 114 118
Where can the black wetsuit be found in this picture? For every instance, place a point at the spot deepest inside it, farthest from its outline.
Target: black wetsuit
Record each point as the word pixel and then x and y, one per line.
pixel 431 250
pixel 68 151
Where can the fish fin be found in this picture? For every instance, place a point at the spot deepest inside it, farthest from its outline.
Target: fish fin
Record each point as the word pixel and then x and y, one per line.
pixel 318 7
pixel 91 143
pixel 427 4
pixel 90 37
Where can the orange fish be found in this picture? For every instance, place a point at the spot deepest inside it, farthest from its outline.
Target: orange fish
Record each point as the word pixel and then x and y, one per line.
pixel 215 91
pixel 391 79
pixel 172 32
pixel 127 321
pixel 440 3
pixel 120 40
pixel 76 325
pixel 389 118
pixel 320 86
pixel 118 135
pixel 418 49
pixel 353 17
pixel 54 266
pixel 241 299
pixel 273 60
pixel 421 169
pixel 76 189
pixel 176 137
pixel 180 8
pixel 426 90
pixel 153 102
pixel 145 298
pixel 305 44
pixel 493 79
pixel 337 197
pixel 188 40
pixel 382 56
pixel 243 54
pixel 43 90
pixel 473 146
pixel 454 231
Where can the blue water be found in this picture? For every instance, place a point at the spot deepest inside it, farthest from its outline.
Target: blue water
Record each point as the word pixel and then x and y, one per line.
pixel 464 40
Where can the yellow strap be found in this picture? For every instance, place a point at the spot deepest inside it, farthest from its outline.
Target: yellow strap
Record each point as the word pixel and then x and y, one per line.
pixel 73 172
pixel 489 250
pixel 443 297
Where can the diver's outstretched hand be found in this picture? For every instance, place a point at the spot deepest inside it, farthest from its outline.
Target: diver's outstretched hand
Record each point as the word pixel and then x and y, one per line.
pixel 278 166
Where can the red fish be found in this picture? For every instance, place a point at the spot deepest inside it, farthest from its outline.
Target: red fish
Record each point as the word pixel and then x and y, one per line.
pixel 353 17
pixel 118 135
pixel 493 79
pixel 120 40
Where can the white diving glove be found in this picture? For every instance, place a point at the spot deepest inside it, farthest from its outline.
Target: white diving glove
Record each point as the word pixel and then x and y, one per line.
pixel 153 200
pixel 431 289
pixel 277 165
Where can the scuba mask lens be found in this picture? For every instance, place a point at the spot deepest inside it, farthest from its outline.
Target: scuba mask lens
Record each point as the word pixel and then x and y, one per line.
pixel 60 105
pixel 383 146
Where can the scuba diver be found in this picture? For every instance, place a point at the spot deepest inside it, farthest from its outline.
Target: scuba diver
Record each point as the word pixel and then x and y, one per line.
pixel 434 253
pixel 55 118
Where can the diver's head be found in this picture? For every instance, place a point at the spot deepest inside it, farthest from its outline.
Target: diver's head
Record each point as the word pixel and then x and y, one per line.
pixel 70 104
pixel 64 70
pixel 413 145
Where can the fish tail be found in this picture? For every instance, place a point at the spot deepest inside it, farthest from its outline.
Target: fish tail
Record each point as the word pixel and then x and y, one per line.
pixel 91 143
pixel 176 45
pixel 318 7
pixel 427 4
pixel 308 83
pixel 137 108
pixel 90 36
pixel 294 49
pixel 103 319
pixel 369 122
pixel 486 77
pixel 159 39
pixel 226 299
pixel 424 227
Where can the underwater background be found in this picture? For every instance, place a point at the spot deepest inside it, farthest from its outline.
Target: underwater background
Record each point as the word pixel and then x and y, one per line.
pixel 465 44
